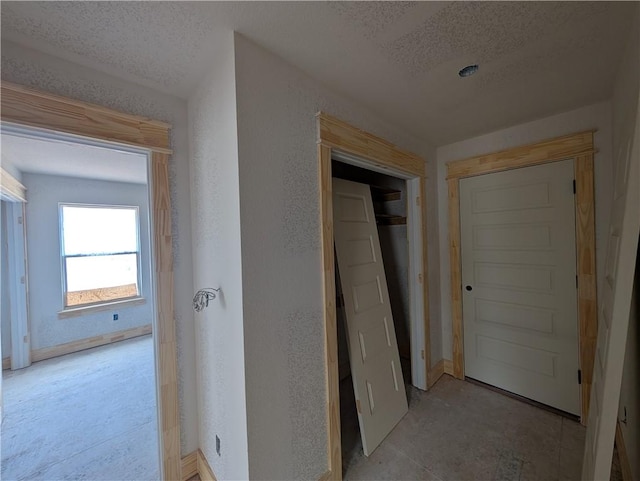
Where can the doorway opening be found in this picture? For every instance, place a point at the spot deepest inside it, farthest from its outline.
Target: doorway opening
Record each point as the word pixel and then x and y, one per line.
pixel 87 237
pixel 389 200
pixel 30 108
pixel 341 142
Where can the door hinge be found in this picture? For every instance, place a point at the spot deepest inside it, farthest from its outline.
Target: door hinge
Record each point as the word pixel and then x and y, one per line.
pixel 574 186
pixel 358 406
pixel 579 376
pixel 576 281
pixel 418 201
pixel 20 220
pixel 422 353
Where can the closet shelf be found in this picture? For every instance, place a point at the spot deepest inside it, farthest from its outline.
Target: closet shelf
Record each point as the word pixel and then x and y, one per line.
pixel 385 194
pixel 385 219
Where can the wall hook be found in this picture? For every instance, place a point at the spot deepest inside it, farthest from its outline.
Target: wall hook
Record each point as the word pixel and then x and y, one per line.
pixel 202 298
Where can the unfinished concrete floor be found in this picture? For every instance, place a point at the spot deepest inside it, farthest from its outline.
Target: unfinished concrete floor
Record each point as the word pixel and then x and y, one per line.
pixel 462 431
pixel 88 415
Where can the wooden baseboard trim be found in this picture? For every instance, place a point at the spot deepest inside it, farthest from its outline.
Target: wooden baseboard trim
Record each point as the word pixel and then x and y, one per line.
pixel 625 465
pixel 448 367
pixel 204 470
pixel 189 466
pixel 82 344
pixel 196 463
pixel 435 373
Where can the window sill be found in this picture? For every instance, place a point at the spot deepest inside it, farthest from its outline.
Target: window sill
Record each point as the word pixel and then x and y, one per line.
pixel 105 306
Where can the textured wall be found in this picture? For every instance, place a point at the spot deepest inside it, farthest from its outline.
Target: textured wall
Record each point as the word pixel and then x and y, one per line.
pixel 217 263
pixel 51 74
pixel 44 192
pixel 281 266
pixel 624 108
pixel 596 116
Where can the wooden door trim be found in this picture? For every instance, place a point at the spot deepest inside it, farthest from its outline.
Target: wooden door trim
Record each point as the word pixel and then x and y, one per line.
pixel 339 135
pixel 335 133
pixel 33 108
pixel 24 106
pixel 11 188
pixel 578 147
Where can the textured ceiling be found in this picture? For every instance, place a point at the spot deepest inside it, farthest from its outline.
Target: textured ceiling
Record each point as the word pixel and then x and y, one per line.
pixel 54 157
pixel 400 59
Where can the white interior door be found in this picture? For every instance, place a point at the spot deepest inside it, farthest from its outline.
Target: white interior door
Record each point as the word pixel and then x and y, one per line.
pixel 375 364
pixel 613 318
pixel 519 282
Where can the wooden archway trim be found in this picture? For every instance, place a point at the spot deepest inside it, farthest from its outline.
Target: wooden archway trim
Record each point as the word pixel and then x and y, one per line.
pixel 33 108
pixel 579 147
pixel 28 107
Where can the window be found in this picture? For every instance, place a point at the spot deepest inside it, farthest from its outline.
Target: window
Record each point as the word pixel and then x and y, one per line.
pixel 100 253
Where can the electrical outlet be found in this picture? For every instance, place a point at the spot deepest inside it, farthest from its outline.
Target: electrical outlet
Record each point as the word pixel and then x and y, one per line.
pixel 217 445
pixel 115 317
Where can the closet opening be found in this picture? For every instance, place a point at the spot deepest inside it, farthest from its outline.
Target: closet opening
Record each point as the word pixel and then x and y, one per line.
pixel 389 196
pixel 381 397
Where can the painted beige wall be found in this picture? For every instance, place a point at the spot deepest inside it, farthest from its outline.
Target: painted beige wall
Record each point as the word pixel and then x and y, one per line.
pixel 281 265
pixel 217 262
pixel 597 116
pixel 625 99
pixel 35 69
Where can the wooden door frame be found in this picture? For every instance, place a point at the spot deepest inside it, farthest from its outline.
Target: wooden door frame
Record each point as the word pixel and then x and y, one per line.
pixel 336 135
pixel 578 147
pixel 13 193
pixel 27 107
pixel 20 356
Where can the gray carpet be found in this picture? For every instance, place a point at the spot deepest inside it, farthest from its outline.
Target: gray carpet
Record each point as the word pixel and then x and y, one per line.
pixel 89 415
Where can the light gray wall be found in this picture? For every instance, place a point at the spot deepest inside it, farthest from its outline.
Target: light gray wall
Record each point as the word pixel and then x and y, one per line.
pixel 5 327
pixel 35 69
pixel 217 263
pixel 624 107
pixel 597 116
pixel 45 192
pixel 281 264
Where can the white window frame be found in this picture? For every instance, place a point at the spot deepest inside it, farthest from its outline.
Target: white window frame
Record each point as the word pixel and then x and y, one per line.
pixel 63 257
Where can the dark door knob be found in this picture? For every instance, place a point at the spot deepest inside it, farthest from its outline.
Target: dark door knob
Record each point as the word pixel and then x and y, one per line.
pixel 469 288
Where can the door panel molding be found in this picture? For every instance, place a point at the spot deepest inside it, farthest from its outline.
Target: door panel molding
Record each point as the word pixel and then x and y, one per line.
pixel 24 106
pixel 579 147
pixel 374 153
pixel 373 348
pixel 520 299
